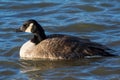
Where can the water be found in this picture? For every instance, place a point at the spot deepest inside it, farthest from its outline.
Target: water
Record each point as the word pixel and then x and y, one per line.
pixel 98 20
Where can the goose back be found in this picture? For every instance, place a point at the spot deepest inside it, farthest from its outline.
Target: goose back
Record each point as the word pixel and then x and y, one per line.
pixel 67 47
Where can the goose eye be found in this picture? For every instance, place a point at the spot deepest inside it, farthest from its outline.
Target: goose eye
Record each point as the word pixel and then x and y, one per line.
pixel 24 25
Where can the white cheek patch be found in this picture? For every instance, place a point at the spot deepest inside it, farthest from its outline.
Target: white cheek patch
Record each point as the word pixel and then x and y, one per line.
pixel 29 28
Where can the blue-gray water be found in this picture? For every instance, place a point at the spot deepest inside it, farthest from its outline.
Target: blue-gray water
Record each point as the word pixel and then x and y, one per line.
pixel 98 20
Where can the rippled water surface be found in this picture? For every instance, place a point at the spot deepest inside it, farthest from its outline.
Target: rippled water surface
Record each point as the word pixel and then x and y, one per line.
pixel 98 20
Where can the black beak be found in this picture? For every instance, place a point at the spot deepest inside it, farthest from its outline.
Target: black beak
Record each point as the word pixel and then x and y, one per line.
pixel 19 30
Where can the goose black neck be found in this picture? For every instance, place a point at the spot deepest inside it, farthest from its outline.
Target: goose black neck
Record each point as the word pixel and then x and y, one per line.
pixel 38 37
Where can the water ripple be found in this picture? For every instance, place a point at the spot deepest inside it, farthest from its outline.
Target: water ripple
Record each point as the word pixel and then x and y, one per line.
pixel 98 20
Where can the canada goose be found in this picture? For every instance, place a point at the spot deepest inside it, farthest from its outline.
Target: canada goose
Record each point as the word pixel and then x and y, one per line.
pixel 57 46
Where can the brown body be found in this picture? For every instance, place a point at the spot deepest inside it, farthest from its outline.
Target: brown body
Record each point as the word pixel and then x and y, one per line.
pixel 67 47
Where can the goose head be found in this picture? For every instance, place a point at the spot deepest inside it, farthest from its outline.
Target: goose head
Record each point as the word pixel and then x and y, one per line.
pixel 32 26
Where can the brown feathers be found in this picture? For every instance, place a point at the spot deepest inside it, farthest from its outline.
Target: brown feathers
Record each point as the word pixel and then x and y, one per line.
pixel 68 47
